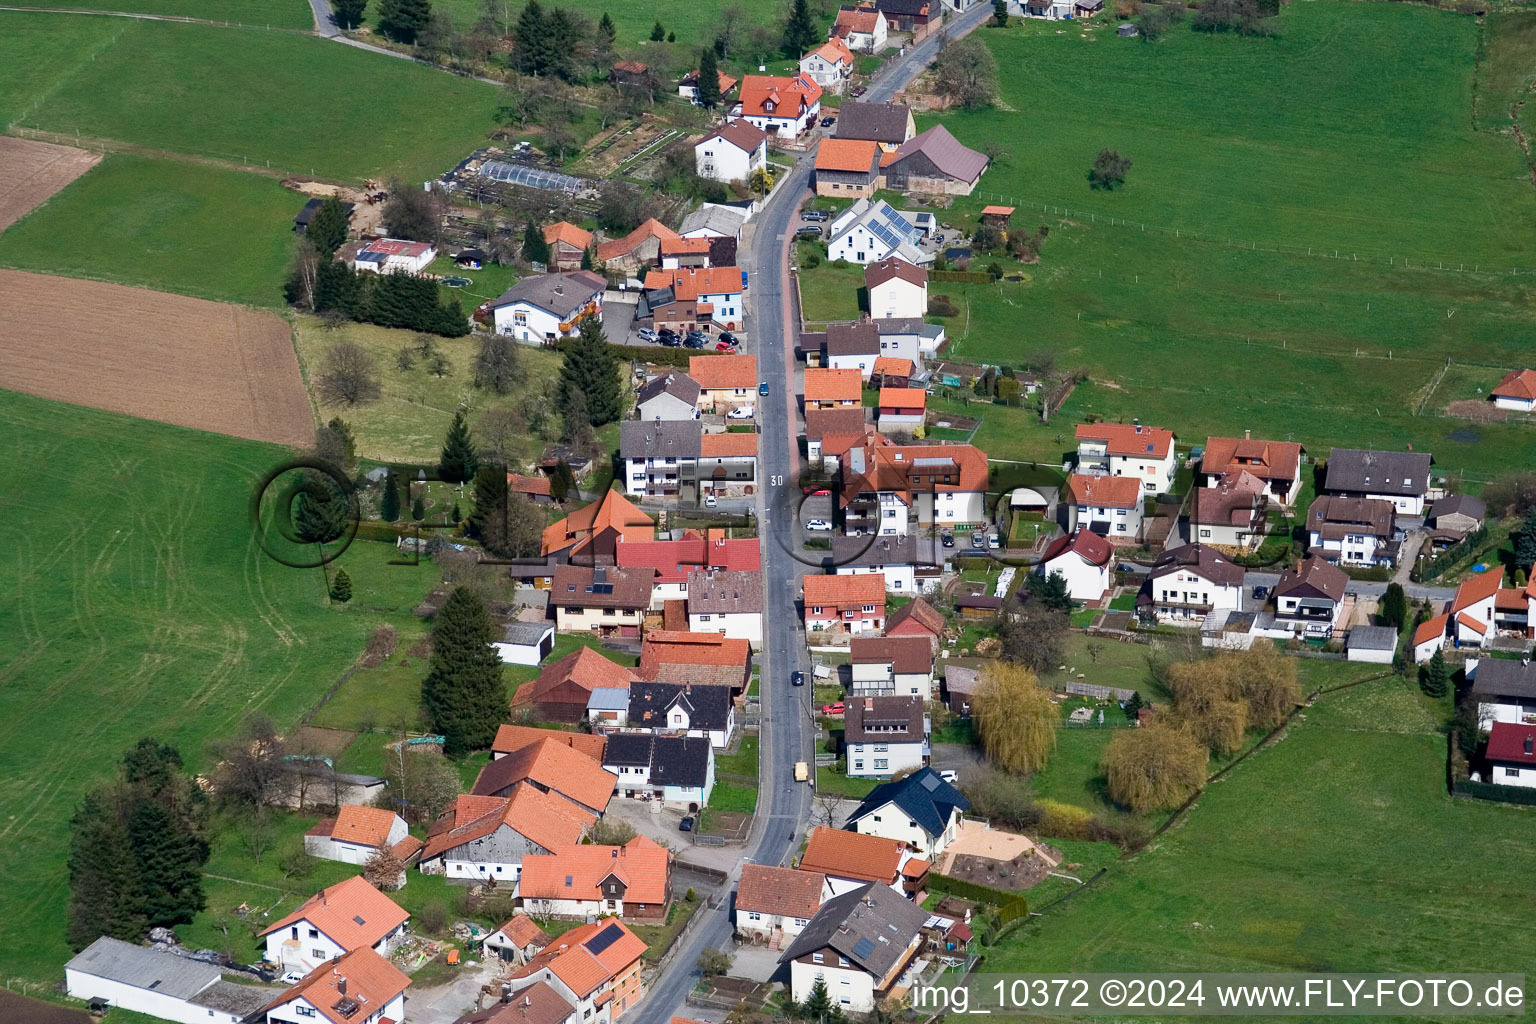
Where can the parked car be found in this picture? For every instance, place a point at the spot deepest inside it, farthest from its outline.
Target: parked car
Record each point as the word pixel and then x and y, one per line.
pixel 686 825
pixel 948 539
pixel 816 215
pixel 797 678
pixel 809 231
pixel 833 709
pixel 692 342
pixel 762 387
pixel 697 336
pixel 646 334
pixel 828 122
pixel 741 412
pixel 668 336
pixel 993 541
pixel 709 501
pixel 727 337
pixel 724 346
pixel 821 493
pixel 672 342
pixel 859 90
pixel 818 525
pixel 950 776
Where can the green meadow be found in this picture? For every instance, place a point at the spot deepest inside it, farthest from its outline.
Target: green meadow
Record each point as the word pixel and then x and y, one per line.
pixel 262 13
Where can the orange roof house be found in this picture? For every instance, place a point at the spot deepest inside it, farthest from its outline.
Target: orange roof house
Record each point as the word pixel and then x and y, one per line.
pixel 834 51
pixel 564 233
pixel 1083 490
pixel 724 380
pixel 562 688
pixel 774 98
pixel 363 826
pixel 905 470
pixel 684 658
pixel 856 602
pixel 1277 463
pixel 642 245
pixel 599 962
pixel 593 530
pixel 1127 440
pixel 851 155
pixel 352 914
pixel 516 737
pixel 893 368
pixel 917 618
pixel 826 388
pixel 727 446
pixel 541 818
pixel 1517 390
pixel 783 892
pixel 345 990
pixel 637 877
pixel 691 81
pixel 690 284
pixel 552 767
pixel 528 486
pixel 852 855
pixel 902 403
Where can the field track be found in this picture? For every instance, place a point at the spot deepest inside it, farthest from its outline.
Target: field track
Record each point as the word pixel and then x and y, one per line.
pixel 30 172
pixel 206 365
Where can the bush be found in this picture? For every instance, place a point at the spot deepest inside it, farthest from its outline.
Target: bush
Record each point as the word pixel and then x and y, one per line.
pixel 691 896
pixel 432 919
pixel 942 305
pixel 1063 820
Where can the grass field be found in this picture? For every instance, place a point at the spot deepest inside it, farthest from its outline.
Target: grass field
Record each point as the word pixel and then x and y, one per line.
pixel 1326 852
pixel 189 88
pixel 140 605
pixel 1506 68
pixel 166 225
pixel 276 13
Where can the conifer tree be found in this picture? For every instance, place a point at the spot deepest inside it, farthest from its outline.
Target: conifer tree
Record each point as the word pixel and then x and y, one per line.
pixel 490 497
pixel 1525 541
pixel 389 503
pixel 563 483
pixel 328 227
pixel 418 509
pixel 592 368
pixel 1435 678
pixel 658 33
pixel 709 78
pixel 341 587
pixel 799 30
pixel 319 514
pixel 532 55
pixel 169 866
pixel 105 896
pixel 349 13
pixel 586 258
pixel 459 460
pixel 535 249
pixel 404 20
pixel 464 694
pixel 337 287
pixel 606 33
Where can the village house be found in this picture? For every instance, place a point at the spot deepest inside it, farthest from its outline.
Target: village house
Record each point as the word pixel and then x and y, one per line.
pixel 830 432
pixel 677 770
pixel 861 27
pixel 898 290
pixel 773 903
pixel 641 247
pixel 901 409
pixel 633 881
pixel 887 124
pixel 361 987
pixel 1511 755
pixel 892 372
pixel 516 942
pixel 157 983
pixel 677 459
pixel 560 692
pixel 601 600
pixel 596 968
pixel 853 603
pixel 1129 449
pixel 726 382
pixel 1454 516
pixel 535 1004
pixel 694 298
pixel 934 163
pixel 909 337
pixel 898 666
pixel 731 151
pixel 853 346
pixel 668 396
pixel 919 17
pixel 689 253
pixel 593 531
pixel 910 565
pixel 549 766
pixel 1232 513
pixel 355 834
pixel 1277 463
pixel 849 860
pixel 884 736
pixel 1083 559
pixel 336 920
pixel 512 738
pixel 716 220
pixel 782 107
pixel 545 307
pixel 1401 478
pixel 1109 506
pixel 921 810
pixel 727 602
pixel 887 488
pixel 1050 10
pixel 1352 531
pixel 394 256
pixel 632 74
pixel 1189 582
pixel 1516 392
pixel 568 245
pixel 682 709
pixel 917 618
pixel 1505 690
pixel 827 388
pixel 675 560
pixel 677 656
pixel 688 88
pixel 1472 610
pixel 847 167
pixel 859 944
pixel 830 66
pixel 1310 597
pixel 872 230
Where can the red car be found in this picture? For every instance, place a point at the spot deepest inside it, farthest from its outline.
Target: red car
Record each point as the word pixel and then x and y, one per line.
pixel 724 346
pixel 833 709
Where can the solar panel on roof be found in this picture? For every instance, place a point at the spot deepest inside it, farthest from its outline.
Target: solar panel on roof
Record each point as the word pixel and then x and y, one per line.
pixel 863 948
pixel 605 938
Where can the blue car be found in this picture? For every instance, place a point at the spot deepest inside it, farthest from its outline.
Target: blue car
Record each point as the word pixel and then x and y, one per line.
pixel 762 388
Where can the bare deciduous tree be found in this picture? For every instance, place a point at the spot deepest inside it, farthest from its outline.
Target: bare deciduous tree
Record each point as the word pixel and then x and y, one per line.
pixel 349 375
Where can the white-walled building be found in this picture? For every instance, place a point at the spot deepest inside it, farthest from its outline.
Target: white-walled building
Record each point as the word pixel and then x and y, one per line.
pixel 728 602
pixel 360 988
pixel 898 290
pixel 733 151
pixel 910 565
pixel 1109 506
pixel 1083 559
pixel 1401 478
pixel 1352 531
pixel 583 880
pixel 859 944
pixel 1511 754
pixel 546 307
pixel 921 810
pixel 355 834
pixel 1189 582
pixel 900 666
pixel 870 231
pixel 347 916
pixel 888 487
pixel 830 66
pixel 1516 392
pixel 394 256
pixel 677 770
pixel 774 904
pixel 1129 449
pixel 784 108
pixel 1505 691
pixel 885 736
pixel 159 984
pixel 681 709
pixel 486 837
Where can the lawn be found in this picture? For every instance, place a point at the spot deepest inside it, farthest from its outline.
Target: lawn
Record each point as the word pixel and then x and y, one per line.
pixel 829 781
pixel 190 89
pixel 408 422
pixel 152 612
pixel 166 225
pixel 1311 855
pixel 276 13
pixel 1211 338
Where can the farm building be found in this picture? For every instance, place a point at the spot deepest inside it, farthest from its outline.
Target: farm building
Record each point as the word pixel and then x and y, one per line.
pixel 394 256
pixel 160 984
pixel 302 219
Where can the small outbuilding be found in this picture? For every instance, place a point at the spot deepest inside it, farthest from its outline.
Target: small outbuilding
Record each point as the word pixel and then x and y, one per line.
pixel 1127 29
pixel 301 221
pixel 526 643
pixel 1374 644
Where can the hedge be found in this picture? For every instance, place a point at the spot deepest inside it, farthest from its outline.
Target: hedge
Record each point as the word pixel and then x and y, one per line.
pixel 961 276
pixel 980 893
pixel 1438 565
pixel 1495 791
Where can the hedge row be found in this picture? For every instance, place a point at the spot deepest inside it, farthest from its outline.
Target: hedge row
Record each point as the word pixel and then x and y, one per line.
pixel 1441 563
pixel 1010 904
pixel 1495 791
pixel 962 276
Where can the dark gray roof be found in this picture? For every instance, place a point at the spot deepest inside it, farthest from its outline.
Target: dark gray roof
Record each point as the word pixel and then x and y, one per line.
pixel 1504 677
pixel 152 970
pixel 925 797
pixel 884 719
pixel 961 679
pixel 861 338
pixel 724 591
pixel 1358 471
pixel 628 750
pixel 858 552
pixel 1333 516
pixel 1202 559
pixel 561 294
pixel 673 760
pixel 526 632
pixel 811 341
pixel 708 707
pixel 1372 638
pixel 242 1000
pixel 1459 504
pixel 1325 578
pixel 900 325
pixel 667 439
pixel 945 152
pixel 872 926
pixel 875 122
pixel 909 7
pixel 677 384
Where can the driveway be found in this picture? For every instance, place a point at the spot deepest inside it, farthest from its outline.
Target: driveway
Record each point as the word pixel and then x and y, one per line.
pixel 662 827
pixel 756 963
pixel 955 757
pixel 444 1004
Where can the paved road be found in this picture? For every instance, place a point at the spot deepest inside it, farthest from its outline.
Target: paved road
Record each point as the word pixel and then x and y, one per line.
pixel 325 19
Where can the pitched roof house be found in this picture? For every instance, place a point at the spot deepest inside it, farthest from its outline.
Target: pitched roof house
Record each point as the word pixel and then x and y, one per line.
pixel 774 903
pixel 668 396
pixel 886 486
pixel 725 382
pixel 861 27
pixel 1128 449
pixel 550 767
pixel 677 770
pixel 633 881
pixel 849 860
pixel 827 388
pixel 518 941
pixel 847 167
pixel 642 245
pixel 596 967
pixel 830 65
pixel 358 986
pixel 567 244
pixel 676 656
pixel 542 307
pixel 889 124
pixel 603 599
pixel 897 290
pixel 1399 477
pixel 1517 391
pixel 1083 559
pixel 355 833
pixel 538 1003
pixel 486 837
pixel 1232 513
pixel 1189 582
pixel 1109 506
pixel 921 810
pixel 917 618
pixel 594 530
pixel 728 602
pixel 885 736
pixel 349 915
pixel 561 690
pixel 894 665
pixel 1511 754
pixel 873 930
pixel 852 603
pixel 512 738
pixel 682 709
pixel 1277 463
pixel 1353 531
pixel 1309 597
pixel 934 163
pixel 782 107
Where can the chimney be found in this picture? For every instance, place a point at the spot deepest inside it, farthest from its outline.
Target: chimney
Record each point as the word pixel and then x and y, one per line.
pixel 341 985
pixel 1247 435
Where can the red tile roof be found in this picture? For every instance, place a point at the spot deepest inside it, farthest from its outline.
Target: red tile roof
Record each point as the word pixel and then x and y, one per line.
pixel 1086 544
pixel 788 96
pixel 860 19
pixel 903 398
pixel 996 211
pixel 523 931
pixel 689 284
pixel 1128 439
pixel 620 247
pixel 1430 629
pixel 669 647
pixel 916 614
pixel 1512 742
pixel 823 384
pixel 570 234
pixel 362 976
pixel 859 589
pixel 586 668
pixel 1102 491
pixel 673 560
pixel 833 851
pixel 891 268
pixel 582 964
pixel 612 511
pixel 351 913
pixel 543 818
pixel 397 247
pixel 576 872
pixel 685 247
pixel 1517 384
pixel 833 51
pixel 367 826
pixel 538 1003
pixel 519 484
pixel 1509 599
pixel 1267 460
pixel 773 890
pixel 727 445
pixel 894 366
pixel 551 765
pixel 1476 590
pixel 724 372
pixel 516 737
pixel 852 155
pixel 1463 619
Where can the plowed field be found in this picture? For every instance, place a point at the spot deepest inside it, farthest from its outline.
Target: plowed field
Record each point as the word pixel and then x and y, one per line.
pixel 30 172
pixel 206 365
